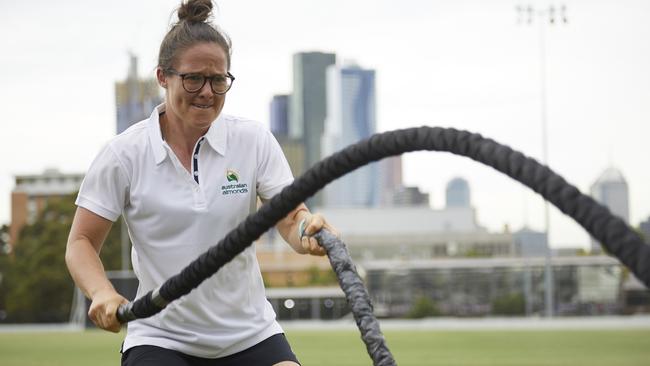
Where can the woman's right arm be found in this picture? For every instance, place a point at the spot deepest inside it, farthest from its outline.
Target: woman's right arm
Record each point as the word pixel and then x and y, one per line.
pixel 87 235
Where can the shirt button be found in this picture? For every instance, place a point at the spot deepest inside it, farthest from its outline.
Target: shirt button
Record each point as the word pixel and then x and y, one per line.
pixel 196 174
pixel 196 156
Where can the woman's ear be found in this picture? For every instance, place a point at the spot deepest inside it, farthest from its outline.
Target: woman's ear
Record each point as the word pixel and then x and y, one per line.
pixel 162 78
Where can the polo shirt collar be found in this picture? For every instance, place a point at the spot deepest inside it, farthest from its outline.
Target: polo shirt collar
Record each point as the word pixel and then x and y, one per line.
pixel 217 135
pixel 155 135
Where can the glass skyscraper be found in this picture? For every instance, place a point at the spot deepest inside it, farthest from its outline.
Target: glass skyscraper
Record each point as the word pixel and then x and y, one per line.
pixel 293 148
pixel 279 121
pixel 308 107
pixel 350 118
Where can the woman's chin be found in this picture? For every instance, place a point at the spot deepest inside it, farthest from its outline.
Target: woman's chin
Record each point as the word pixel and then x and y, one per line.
pixel 203 118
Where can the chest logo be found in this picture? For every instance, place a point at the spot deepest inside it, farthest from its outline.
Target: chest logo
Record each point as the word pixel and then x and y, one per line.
pixel 232 176
pixel 233 186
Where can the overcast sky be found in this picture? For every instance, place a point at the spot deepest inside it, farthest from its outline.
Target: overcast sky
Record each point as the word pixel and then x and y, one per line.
pixel 463 64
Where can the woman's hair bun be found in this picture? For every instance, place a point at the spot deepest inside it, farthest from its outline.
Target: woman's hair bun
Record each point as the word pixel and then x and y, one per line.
pixel 195 11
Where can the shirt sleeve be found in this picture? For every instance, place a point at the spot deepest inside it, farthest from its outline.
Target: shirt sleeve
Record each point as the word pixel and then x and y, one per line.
pixel 105 186
pixel 273 171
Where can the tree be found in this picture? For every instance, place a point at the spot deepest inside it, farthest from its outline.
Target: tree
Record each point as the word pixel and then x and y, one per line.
pixel 321 278
pixel 4 240
pixel 38 286
pixel 511 304
pixel 423 307
pixel 4 261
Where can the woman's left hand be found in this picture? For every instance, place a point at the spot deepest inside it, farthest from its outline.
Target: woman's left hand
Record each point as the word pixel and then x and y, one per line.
pixel 313 224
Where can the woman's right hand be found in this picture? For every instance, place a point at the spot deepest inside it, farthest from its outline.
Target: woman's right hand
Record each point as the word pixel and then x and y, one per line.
pixel 103 309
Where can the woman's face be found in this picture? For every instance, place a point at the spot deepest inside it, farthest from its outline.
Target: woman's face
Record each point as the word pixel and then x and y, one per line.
pixel 199 109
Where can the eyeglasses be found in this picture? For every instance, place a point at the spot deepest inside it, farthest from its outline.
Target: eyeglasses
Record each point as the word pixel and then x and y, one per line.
pixel 192 83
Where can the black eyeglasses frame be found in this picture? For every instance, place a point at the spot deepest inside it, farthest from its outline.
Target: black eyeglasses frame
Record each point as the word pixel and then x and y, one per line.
pixel 205 79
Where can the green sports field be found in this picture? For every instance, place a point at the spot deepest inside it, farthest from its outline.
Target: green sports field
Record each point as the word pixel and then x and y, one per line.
pixel 316 348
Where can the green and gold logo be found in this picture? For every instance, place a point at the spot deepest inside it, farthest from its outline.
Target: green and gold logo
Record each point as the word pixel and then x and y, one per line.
pixel 233 187
pixel 232 176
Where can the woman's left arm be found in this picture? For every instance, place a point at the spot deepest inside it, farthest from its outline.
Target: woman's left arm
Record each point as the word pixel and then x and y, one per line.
pixel 290 229
pixel 273 173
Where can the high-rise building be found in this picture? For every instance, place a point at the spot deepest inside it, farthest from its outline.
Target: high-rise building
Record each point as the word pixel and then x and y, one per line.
pixel 457 193
pixel 294 151
pixel 530 243
pixel 390 178
pixel 32 193
pixel 135 98
pixel 611 190
pixel 350 118
pixel 645 230
pixel 308 106
pixel 279 113
pixel 293 148
pixel 410 196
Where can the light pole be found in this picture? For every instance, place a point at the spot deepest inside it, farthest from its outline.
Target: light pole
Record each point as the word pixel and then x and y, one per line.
pixel 548 16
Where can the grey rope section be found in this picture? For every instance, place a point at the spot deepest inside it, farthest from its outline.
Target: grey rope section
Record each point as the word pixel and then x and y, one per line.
pixel 617 238
pixel 357 297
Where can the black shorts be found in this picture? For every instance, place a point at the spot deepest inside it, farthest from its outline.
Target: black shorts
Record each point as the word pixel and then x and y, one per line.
pixel 266 353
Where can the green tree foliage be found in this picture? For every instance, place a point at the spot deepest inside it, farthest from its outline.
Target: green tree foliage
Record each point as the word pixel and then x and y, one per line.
pixel 511 304
pixel 475 253
pixel 643 236
pixel 4 261
pixel 318 277
pixel 37 284
pixel 423 307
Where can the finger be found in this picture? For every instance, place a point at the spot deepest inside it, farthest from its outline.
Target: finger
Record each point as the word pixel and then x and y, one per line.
pixel 91 315
pixel 331 230
pixel 311 228
pixel 315 224
pixel 99 322
pixel 334 232
pixel 102 319
pixel 319 252
pixel 315 248
pixel 113 324
pixel 305 243
pixel 94 316
pixel 321 223
pixel 114 327
pixel 311 246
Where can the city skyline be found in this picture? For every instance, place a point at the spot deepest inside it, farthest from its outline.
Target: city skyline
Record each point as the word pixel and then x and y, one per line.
pixel 465 64
pixel 135 97
pixel 350 117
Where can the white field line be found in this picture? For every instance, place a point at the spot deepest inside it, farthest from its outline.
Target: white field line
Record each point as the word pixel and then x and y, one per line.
pixel 471 324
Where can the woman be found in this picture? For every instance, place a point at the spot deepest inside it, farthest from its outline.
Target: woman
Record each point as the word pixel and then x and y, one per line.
pixel 183 179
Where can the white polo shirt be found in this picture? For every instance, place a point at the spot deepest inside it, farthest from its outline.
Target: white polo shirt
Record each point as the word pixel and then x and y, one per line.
pixel 174 216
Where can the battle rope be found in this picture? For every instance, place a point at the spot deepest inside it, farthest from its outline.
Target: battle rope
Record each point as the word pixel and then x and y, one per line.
pixel 617 238
pixel 357 297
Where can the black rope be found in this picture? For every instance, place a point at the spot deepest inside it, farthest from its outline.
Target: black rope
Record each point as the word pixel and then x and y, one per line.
pixel 617 238
pixel 357 297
